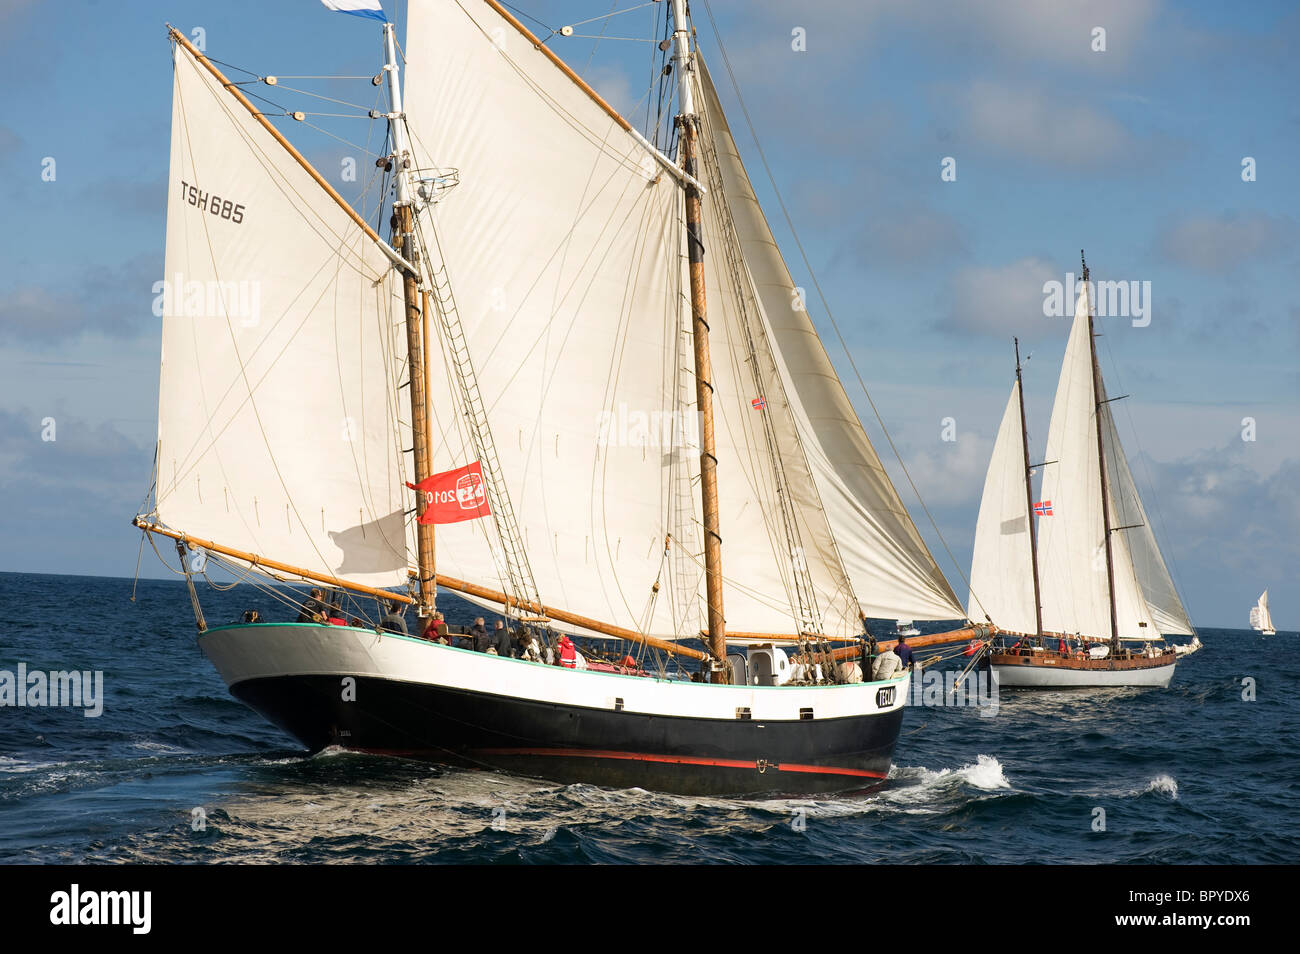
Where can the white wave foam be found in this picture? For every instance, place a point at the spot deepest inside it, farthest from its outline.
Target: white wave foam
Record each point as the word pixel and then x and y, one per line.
pixel 1163 784
pixel 985 773
pixel 163 748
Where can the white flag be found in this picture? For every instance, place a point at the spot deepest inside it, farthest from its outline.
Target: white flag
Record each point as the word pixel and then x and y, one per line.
pixel 358 8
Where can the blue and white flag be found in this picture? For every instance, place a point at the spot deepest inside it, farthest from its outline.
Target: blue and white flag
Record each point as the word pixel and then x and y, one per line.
pixel 358 8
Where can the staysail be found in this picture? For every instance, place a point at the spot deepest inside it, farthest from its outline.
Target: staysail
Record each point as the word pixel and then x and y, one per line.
pixel 891 571
pixel 1001 576
pixel 278 429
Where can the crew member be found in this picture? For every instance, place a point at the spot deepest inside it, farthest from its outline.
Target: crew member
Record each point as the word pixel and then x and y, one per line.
pixel 394 620
pixel 903 652
pixel 501 639
pixel 313 610
pixel 480 639
pixel 568 653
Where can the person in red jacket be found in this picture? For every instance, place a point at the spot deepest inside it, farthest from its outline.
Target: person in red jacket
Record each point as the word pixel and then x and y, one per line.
pixel 568 653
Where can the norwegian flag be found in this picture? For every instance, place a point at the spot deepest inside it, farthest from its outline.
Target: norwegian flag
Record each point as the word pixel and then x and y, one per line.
pixel 758 403
pixel 1043 508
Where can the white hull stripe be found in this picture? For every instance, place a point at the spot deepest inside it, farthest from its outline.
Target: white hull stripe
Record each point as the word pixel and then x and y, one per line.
pixel 1045 677
pixel 268 650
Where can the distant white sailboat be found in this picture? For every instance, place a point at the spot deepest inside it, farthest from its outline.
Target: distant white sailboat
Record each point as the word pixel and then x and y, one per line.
pixel 1260 619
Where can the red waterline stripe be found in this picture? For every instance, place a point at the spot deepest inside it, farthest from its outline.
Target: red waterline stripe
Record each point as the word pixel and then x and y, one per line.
pixel 683 760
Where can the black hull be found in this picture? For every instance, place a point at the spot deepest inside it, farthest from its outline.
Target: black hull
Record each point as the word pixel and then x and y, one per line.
pixel 564 743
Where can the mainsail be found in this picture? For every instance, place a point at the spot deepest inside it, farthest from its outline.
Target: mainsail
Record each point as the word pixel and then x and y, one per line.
pixel 1001 577
pixel 1072 543
pixel 563 245
pixel 278 431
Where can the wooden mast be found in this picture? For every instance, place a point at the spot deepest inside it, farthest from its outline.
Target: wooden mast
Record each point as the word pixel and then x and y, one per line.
pixel 404 223
pixel 1029 496
pixel 1101 466
pixel 688 125
pixel 426 326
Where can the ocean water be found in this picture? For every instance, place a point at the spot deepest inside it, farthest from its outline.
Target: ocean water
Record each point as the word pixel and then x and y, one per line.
pixel 1198 773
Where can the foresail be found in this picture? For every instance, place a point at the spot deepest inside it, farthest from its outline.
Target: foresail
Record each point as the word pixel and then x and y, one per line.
pixel 561 247
pixel 1071 543
pixel 277 423
pixel 1001 576
pixel 891 571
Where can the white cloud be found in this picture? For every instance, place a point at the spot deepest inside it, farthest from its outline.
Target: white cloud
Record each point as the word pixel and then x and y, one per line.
pixel 1029 123
pixel 1222 243
pixel 1003 300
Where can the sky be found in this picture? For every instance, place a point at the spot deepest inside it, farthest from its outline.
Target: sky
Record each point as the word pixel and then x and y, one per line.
pixel 940 162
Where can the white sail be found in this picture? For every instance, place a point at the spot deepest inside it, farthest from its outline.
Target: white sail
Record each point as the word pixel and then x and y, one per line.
pixel 277 426
pixel 1166 609
pixel 1071 546
pixel 891 571
pixel 1259 615
pixel 1001 576
pixel 771 546
pixel 561 245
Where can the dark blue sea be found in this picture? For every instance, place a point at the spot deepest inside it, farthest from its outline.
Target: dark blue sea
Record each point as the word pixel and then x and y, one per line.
pixel 1196 774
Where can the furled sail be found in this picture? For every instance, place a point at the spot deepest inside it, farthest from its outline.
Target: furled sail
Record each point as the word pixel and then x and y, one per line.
pixel 1001 576
pixel 277 425
pixel 561 248
pixel 1071 544
pixel 891 571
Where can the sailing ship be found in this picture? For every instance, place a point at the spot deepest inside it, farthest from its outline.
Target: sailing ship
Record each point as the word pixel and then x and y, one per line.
pixel 555 305
pixel 1074 581
pixel 1260 620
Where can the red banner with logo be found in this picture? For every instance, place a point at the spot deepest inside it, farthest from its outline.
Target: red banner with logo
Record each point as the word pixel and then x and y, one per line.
pixel 455 495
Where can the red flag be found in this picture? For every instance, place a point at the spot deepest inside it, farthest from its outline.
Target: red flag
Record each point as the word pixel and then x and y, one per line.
pixel 454 495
